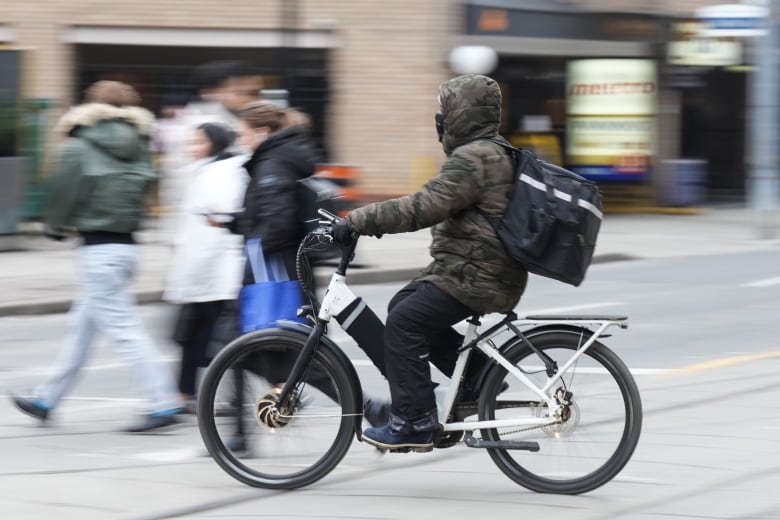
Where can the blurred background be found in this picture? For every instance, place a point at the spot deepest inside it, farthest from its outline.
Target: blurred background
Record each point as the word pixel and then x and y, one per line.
pixel 657 100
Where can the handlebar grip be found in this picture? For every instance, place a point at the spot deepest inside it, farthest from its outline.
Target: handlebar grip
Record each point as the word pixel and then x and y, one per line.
pixel 328 215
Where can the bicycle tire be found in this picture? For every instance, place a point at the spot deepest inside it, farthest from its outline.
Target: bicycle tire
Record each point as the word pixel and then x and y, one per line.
pixel 256 445
pixel 569 461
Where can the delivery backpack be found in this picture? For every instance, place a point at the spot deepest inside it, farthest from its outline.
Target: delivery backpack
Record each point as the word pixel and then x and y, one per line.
pixel 551 220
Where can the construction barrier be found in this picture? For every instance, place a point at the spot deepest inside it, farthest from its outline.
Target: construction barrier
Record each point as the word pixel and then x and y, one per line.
pixel 346 177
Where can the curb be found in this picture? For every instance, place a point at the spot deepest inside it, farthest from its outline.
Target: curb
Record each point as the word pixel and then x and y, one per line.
pixel 358 276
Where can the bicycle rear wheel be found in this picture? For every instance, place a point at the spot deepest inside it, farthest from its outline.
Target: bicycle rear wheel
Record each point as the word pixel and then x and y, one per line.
pixel 596 439
pixel 262 442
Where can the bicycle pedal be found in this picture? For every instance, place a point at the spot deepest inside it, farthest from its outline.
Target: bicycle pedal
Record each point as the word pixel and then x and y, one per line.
pixel 447 439
pixel 408 449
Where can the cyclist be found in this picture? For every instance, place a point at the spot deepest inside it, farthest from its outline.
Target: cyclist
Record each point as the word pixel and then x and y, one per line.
pixel 471 272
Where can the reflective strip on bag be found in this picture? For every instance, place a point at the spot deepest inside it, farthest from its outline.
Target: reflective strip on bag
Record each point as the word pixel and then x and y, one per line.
pixel 561 195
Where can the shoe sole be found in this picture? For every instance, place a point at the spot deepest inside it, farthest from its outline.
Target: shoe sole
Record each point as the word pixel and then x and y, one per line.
pixel 399 448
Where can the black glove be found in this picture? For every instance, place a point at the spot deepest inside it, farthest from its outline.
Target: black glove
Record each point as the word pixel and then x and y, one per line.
pixel 342 234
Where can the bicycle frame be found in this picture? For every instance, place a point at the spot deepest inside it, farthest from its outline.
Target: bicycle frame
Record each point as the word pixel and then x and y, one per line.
pixel 484 343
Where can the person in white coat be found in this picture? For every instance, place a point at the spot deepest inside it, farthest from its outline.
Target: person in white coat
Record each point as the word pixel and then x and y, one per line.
pixel 207 268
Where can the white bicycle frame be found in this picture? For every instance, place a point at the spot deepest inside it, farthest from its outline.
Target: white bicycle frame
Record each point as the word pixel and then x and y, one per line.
pixel 486 346
pixel 339 296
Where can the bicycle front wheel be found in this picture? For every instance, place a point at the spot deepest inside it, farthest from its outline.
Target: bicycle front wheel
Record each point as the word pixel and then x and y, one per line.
pixel 265 443
pixel 596 436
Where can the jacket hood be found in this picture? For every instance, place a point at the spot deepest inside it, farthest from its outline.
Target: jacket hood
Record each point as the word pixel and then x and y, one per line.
pixel 471 106
pixel 116 130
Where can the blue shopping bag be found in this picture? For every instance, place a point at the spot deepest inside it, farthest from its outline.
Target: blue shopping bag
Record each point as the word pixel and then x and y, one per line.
pixel 272 297
pixel 261 304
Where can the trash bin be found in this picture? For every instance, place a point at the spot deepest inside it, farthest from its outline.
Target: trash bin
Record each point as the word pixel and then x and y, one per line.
pixel 11 196
pixel 684 182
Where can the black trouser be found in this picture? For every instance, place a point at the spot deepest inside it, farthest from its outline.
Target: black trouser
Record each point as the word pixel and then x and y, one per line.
pixel 419 330
pixel 194 331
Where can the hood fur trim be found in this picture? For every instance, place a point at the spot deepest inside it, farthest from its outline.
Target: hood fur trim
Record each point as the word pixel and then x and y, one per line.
pixel 90 114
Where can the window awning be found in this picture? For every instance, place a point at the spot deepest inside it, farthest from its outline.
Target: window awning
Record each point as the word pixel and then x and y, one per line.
pixel 519 46
pixel 174 37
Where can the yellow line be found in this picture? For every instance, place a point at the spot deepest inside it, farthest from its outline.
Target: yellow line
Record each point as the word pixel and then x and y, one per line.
pixel 726 362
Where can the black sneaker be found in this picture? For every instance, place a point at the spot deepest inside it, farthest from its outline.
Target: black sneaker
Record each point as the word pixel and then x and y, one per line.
pixel 152 423
pixel 387 439
pixel 31 407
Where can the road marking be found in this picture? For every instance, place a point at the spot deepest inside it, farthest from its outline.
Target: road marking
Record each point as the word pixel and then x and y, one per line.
pixel 172 455
pixel 763 283
pixel 726 362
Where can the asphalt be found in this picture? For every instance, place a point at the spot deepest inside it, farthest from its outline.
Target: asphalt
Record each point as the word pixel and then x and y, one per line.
pixel 38 275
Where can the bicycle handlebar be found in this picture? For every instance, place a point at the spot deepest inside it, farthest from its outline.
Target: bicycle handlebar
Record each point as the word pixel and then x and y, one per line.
pixel 328 216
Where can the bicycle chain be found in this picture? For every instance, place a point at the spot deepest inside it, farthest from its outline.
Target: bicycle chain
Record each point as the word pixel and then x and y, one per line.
pixel 532 428
pixel 538 426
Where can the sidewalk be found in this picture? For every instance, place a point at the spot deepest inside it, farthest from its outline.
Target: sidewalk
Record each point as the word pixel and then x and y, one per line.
pixel 39 277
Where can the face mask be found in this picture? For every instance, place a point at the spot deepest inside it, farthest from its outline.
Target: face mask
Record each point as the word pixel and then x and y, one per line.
pixel 439 118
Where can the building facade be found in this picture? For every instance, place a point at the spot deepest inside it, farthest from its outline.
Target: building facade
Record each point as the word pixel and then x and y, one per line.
pixel 368 72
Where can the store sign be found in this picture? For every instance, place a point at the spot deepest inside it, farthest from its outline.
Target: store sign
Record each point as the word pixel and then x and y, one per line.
pixel 512 19
pixel 611 87
pixel 610 147
pixel 733 20
pixel 689 48
pixel 611 107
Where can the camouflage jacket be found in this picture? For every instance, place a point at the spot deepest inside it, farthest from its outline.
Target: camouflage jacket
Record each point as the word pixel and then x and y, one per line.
pixel 469 261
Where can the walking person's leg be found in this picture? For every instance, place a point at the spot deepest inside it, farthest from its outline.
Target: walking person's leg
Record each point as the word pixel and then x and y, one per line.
pixel 428 312
pixel 195 331
pixel 185 335
pixel 113 305
pixel 79 338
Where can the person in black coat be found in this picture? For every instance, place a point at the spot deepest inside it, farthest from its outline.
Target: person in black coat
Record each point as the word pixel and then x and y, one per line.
pixel 282 154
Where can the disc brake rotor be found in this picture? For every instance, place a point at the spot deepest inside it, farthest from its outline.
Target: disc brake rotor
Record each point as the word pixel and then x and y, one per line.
pixel 570 419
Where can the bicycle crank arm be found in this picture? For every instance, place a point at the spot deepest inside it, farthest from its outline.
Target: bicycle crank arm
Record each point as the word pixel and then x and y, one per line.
pixel 471 442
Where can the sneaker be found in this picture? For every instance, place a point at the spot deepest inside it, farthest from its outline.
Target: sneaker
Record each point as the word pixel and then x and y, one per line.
pixel 387 439
pixel 153 422
pixel 32 407
pixel 376 412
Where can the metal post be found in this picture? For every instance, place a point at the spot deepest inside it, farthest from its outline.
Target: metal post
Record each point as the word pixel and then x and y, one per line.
pixel 764 181
pixel 288 53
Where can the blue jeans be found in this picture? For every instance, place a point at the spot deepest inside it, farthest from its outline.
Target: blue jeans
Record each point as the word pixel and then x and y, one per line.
pixel 106 304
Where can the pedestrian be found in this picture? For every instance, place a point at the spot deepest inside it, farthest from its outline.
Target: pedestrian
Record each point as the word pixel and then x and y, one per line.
pixel 471 272
pixel 281 155
pixel 221 89
pixel 99 190
pixel 208 264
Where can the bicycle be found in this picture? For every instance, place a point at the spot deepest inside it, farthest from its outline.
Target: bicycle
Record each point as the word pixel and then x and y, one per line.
pixel 557 412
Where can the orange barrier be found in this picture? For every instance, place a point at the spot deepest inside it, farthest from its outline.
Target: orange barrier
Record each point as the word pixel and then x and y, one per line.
pixel 346 177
